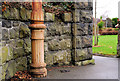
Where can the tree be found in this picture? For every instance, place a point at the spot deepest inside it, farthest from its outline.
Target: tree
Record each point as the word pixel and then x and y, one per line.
pixel 101 24
pixel 114 22
pixel 109 22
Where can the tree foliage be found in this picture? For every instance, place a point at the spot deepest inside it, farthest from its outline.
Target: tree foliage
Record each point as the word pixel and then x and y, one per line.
pixel 101 17
pixel 114 22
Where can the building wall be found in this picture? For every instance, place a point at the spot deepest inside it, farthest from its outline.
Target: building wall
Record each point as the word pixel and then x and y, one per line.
pixel 68 40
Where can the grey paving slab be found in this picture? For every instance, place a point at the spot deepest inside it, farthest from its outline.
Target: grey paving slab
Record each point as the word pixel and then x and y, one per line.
pixel 105 68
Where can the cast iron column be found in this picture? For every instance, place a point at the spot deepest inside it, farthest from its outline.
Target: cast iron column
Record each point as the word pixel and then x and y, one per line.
pixel 37 67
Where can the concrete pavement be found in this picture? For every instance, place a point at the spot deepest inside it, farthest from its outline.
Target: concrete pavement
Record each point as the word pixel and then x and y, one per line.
pixel 105 68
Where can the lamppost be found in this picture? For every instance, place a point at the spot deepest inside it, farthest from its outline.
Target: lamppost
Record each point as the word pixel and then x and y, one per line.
pixel 95 29
pixel 38 66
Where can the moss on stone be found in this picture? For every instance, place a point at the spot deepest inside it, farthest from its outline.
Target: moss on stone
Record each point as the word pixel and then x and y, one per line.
pixel 4 54
pixel 19 43
pixel 23 13
pixel 10 53
pixel 4 69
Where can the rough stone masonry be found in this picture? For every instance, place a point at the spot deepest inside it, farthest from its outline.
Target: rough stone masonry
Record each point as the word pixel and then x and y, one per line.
pixel 67 40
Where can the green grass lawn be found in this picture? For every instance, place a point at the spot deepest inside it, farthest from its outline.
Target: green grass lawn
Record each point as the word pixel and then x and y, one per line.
pixel 107 43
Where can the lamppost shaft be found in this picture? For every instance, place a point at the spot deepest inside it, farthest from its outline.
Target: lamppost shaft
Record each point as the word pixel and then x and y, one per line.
pixel 37 67
pixel 95 28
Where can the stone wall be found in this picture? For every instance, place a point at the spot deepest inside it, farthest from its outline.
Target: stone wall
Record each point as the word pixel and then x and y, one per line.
pixel 118 45
pixel 68 40
pixel 16 47
pixel 82 33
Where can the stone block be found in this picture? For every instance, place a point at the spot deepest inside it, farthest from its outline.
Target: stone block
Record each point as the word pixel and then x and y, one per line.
pixel 58 28
pixel 0 56
pixel 11 69
pixel 53 45
pixel 90 27
pixel 90 5
pixel 49 59
pixel 83 5
pixel 12 43
pixel 0 15
pixel 0 23
pixel 92 61
pixel 6 23
pixel 86 16
pixel 14 33
pixel 57 45
pixel 79 43
pixel 78 63
pixel 81 54
pixel 4 54
pixel 15 23
pixel 24 31
pixel 64 37
pixel 90 50
pixel 10 53
pixel 69 56
pixel 45 33
pixel 3 43
pixel 54 29
pixel 82 29
pixel 48 38
pixel 23 15
pixel 18 52
pixel 67 17
pixel 27 45
pixel 14 13
pixel 5 34
pixel 66 29
pixel 60 57
pixel 29 61
pixel 86 62
pixel 19 43
pixel 65 44
pixel 6 13
pixel 45 46
pixel 66 63
pixel 89 56
pixel 87 41
pixel 0 73
pixel 21 64
pixel 49 16
pixel 74 29
pixel 28 13
pixel 76 15
pixel 4 70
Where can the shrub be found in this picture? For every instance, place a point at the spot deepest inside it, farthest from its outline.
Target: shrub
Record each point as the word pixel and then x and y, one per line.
pixel 109 29
pixel 103 28
pixel 100 24
pixel 116 29
pixel 109 32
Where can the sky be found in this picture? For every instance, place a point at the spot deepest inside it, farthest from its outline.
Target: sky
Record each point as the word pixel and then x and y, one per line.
pixel 107 8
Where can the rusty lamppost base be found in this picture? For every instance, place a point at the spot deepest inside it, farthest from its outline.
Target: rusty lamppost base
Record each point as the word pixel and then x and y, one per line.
pixel 38 66
pixel 39 71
